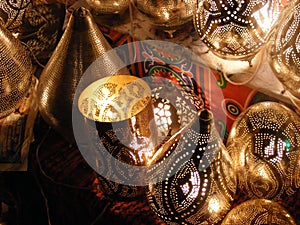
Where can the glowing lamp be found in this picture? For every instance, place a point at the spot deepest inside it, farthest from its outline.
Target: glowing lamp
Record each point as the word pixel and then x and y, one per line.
pixel 264 144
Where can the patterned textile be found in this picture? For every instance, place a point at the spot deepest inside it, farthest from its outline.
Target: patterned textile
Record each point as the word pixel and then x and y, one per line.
pixel 63 163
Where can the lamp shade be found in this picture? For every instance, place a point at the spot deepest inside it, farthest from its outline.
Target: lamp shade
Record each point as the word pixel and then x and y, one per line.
pixel 202 186
pixel 124 122
pixel 264 143
pixel 81 44
pixel 235 29
pixel 120 107
pixel 283 49
pixel 167 14
pixel 16 72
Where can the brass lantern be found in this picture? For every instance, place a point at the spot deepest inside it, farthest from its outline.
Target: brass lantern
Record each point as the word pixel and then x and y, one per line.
pixel 283 49
pixel 81 44
pixel 199 184
pixel 264 143
pixel 16 72
pixel 235 29
pixel 108 7
pixel 124 122
pixel 167 14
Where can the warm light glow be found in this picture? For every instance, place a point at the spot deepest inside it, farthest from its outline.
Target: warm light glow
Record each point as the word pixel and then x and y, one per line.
pixel 114 98
pixel 263 173
pixel 264 18
pixel 144 148
pixel 162 113
pixel 214 205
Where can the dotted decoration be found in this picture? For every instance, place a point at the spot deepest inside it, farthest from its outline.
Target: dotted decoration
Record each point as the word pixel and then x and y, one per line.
pixel 264 145
pixel 235 29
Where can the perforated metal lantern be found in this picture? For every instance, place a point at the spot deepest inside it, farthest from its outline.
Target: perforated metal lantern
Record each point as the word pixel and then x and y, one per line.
pixel 259 212
pixel 235 29
pixel 167 14
pixel 198 184
pixel 127 122
pixel 12 12
pixel 264 143
pixel 16 72
pixel 120 109
pixel 81 44
pixel 283 49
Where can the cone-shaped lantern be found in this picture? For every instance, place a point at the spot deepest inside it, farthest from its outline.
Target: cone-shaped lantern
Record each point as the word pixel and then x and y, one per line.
pixel 16 72
pixel 81 44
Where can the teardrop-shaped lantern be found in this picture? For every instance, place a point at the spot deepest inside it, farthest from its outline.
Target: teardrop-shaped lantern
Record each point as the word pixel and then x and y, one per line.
pixel 16 72
pixel 81 44
pixel 202 186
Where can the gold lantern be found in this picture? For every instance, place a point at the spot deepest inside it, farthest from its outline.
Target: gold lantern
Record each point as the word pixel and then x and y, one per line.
pixel 18 104
pixel 199 183
pixel 120 106
pixel 264 144
pixel 81 44
pixel 167 15
pixel 259 212
pixel 283 49
pixel 233 34
pixel 16 72
pixel 235 29
pixel 126 121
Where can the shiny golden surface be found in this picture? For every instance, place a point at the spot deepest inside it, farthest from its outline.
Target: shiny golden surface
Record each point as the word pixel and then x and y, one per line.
pixel 203 183
pixel 167 14
pixel 264 143
pixel 234 29
pixel 81 44
pixel 114 98
pixel 16 72
pixel 258 212
pixel 284 50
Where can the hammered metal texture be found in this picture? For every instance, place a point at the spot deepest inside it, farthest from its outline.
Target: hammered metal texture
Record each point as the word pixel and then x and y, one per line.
pixel 12 12
pixel 108 6
pixel 167 14
pixel 202 188
pixel 284 49
pixel 16 72
pixel 81 44
pixel 264 144
pixel 258 212
pixel 234 29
